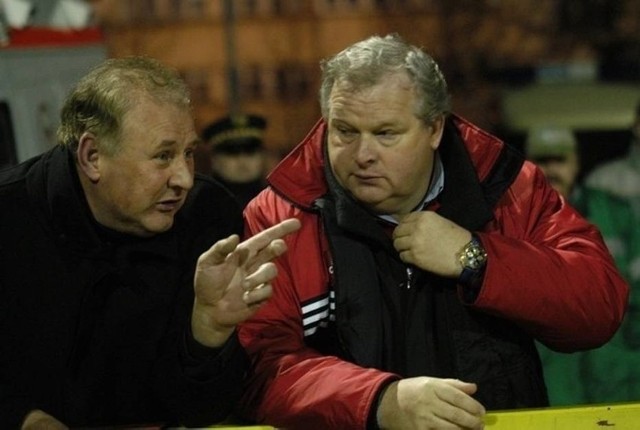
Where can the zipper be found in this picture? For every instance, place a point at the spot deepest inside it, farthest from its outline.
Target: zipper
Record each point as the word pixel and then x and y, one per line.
pixel 409 277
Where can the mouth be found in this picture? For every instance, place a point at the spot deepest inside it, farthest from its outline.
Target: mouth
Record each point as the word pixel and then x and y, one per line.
pixel 366 178
pixel 169 205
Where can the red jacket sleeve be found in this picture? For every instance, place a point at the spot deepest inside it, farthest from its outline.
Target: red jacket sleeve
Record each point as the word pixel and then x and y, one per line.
pixel 291 385
pixel 549 270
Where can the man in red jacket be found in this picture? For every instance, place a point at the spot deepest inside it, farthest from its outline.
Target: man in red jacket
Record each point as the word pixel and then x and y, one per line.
pixel 430 257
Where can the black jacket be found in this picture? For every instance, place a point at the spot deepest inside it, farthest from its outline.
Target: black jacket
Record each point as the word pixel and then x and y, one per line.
pixel 243 191
pixel 93 323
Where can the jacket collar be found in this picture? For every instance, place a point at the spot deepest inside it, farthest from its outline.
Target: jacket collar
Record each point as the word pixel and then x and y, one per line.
pixel 467 152
pixel 300 175
pixel 54 188
pixel 462 198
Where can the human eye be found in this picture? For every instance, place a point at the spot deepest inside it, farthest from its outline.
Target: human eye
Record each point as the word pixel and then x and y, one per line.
pixel 345 132
pixel 189 153
pixel 164 156
pixel 386 135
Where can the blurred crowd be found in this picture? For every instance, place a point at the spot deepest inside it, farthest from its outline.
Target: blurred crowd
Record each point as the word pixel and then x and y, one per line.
pixel 609 196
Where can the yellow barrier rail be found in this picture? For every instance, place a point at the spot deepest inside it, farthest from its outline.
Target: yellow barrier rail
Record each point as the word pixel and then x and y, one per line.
pixel 617 416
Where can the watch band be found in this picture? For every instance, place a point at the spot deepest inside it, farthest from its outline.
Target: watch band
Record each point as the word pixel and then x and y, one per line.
pixel 473 259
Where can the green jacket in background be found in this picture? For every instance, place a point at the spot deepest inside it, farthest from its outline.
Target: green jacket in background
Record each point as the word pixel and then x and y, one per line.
pixel 610 199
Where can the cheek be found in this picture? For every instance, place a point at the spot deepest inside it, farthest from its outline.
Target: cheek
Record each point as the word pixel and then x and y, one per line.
pixel 336 157
pixel 235 165
pixel 413 176
pixel 120 196
pixel 257 160
pixel 404 176
pixel 145 189
pixel 567 171
pixel 253 164
pixel 341 165
pixel 406 167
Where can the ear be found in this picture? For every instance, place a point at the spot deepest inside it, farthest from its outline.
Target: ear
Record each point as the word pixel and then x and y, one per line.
pixel 88 156
pixel 437 128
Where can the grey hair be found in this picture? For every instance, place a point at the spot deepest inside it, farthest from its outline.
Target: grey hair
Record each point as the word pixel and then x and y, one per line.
pixel 100 100
pixel 366 63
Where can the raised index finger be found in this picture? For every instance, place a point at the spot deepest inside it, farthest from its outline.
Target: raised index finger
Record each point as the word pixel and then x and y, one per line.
pixel 265 237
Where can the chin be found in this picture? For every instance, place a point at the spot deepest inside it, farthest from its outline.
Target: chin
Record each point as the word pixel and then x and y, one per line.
pixel 369 197
pixel 162 228
pixel 157 226
pixel 375 206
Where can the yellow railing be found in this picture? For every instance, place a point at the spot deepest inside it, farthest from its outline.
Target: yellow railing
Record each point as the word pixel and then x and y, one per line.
pixel 617 416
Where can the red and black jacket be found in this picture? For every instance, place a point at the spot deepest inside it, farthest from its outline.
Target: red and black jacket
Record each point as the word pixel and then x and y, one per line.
pixel 321 348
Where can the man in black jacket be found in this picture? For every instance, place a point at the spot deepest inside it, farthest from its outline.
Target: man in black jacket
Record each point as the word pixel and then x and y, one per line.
pixel 116 305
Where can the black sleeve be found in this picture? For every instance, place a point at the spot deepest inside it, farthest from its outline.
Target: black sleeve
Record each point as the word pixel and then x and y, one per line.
pixel 200 386
pixel 13 407
pixel 197 358
pixel 203 384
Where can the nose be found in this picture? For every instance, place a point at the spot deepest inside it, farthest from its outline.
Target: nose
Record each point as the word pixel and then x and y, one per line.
pixel 182 173
pixel 365 152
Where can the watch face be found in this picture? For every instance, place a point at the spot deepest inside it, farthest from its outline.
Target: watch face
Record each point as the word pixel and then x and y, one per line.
pixel 473 256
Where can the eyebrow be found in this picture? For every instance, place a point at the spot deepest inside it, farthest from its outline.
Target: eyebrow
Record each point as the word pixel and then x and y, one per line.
pixel 169 143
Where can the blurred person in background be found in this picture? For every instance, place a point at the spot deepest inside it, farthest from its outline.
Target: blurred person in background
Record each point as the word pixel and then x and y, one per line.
pixel 610 198
pixel 555 150
pixel 238 154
